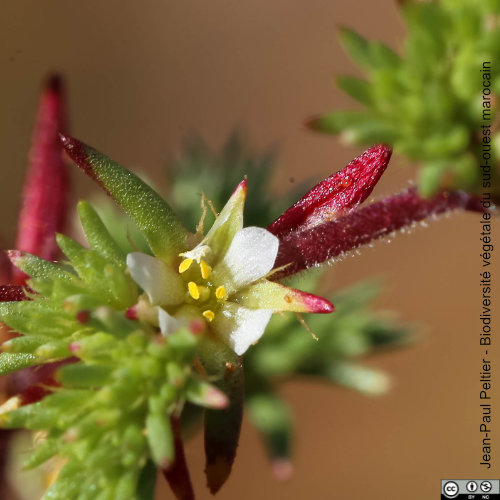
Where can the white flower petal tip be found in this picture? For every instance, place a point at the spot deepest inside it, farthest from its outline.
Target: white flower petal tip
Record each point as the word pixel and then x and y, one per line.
pixel 168 324
pixel 162 284
pixel 240 327
pixel 250 256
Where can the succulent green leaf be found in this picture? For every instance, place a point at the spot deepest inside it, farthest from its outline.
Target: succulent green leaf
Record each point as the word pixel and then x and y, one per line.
pixel 160 439
pixel 98 236
pixel 83 375
pixel 355 87
pixel 11 362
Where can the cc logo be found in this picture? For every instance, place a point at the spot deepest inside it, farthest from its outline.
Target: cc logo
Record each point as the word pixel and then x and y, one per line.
pixel 450 489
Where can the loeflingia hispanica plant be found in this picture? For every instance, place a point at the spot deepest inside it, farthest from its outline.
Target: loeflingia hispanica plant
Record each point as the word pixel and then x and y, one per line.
pixel 183 310
pixel 116 349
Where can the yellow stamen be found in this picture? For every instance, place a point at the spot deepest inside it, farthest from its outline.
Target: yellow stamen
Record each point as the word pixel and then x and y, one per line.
pixel 185 265
pixel 209 315
pixel 220 293
pixel 205 269
pixel 193 290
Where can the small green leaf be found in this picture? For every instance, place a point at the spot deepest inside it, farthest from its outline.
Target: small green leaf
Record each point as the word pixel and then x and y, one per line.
pixel 98 236
pixel 355 87
pixel 11 362
pixel 160 439
pixel 272 418
pixel 83 375
pixel 356 46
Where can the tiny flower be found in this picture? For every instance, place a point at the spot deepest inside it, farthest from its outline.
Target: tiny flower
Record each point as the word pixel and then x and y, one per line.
pixel 222 279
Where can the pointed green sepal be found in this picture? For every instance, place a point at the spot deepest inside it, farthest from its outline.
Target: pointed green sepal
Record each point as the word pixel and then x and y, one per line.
pixel 153 216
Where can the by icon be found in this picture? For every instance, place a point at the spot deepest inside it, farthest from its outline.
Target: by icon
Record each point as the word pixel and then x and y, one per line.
pixel 450 489
pixel 471 486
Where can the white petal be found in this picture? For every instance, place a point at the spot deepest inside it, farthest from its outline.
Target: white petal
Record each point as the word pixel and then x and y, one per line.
pixel 163 284
pixel 240 327
pixel 251 256
pixel 168 324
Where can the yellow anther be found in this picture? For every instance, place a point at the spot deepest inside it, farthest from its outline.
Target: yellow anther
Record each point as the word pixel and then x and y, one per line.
pixel 193 290
pixel 205 269
pixel 185 265
pixel 209 315
pixel 220 293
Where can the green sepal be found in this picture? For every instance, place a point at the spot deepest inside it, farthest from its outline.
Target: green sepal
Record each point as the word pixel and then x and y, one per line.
pixel 152 215
pixel 98 236
pixel 11 362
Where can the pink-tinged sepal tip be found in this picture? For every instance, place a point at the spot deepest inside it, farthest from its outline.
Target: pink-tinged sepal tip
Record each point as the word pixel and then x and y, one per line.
pixel 337 194
pixel 313 123
pixel 282 469
pixel 317 304
pixel 131 313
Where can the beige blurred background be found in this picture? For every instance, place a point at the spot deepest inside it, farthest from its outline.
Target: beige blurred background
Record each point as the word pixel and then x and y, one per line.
pixel 140 76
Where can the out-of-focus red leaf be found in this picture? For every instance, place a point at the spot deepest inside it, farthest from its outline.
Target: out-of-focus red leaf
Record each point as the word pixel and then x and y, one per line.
pixel 44 205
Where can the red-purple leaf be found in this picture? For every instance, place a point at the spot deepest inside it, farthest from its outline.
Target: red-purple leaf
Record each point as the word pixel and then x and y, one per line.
pixel 178 474
pixel 12 293
pixel 45 192
pixel 301 250
pixel 337 194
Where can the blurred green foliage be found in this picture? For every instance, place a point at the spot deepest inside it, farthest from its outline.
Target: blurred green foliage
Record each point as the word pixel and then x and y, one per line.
pixel 428 102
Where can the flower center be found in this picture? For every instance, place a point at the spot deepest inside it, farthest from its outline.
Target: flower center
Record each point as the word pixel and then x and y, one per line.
pixel 200 289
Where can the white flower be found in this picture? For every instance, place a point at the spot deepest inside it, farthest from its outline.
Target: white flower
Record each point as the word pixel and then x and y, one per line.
pixel 222 280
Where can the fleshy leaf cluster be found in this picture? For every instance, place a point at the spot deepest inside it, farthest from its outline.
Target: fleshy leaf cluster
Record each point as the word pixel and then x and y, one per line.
pixel 428 102
pixel 109 414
